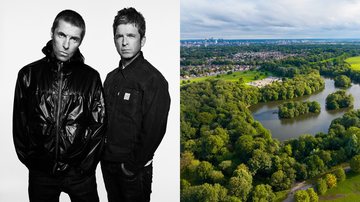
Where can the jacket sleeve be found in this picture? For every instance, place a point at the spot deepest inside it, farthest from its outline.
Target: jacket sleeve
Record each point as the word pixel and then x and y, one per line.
pixel 155 107
pixel 20 121
pixel 96 129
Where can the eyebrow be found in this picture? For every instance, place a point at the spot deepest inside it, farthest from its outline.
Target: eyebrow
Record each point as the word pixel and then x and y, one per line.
pixel 71 37
pixel 126 34
pixel 75 37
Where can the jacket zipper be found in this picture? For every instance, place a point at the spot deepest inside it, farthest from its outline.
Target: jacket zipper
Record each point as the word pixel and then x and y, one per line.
pixel 60 76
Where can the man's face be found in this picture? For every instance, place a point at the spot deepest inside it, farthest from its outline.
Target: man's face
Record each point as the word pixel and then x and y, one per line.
pixel 127 41
pixel 66 39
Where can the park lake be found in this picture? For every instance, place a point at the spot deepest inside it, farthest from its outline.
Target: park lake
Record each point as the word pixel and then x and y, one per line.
pixel 284 129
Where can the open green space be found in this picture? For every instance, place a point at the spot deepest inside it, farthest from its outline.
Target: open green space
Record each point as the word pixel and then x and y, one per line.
pixel 247 76
pixel 354 62
pixel 346 191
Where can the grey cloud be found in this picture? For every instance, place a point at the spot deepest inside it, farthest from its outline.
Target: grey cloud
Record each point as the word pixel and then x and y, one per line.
pixel 262 18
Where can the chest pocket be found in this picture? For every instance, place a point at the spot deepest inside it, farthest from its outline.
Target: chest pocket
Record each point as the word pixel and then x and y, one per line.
pixel 128 101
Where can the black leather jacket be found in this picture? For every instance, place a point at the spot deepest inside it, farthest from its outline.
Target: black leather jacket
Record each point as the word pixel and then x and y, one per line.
pixel 58 117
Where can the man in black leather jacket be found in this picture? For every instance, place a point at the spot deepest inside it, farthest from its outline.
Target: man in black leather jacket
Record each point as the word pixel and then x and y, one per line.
pixel 58 117
pixel 137 102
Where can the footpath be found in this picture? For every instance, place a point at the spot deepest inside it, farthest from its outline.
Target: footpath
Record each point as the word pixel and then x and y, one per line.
pixel 303 186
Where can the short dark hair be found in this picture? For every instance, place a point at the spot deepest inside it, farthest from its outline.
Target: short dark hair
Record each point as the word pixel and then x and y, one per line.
pixel 71 17
pixel 130 16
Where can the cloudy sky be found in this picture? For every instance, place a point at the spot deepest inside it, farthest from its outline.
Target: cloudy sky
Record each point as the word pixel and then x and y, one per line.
pixel 255 19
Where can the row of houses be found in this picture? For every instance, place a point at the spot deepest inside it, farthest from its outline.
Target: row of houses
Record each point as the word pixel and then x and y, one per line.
pixel 214 70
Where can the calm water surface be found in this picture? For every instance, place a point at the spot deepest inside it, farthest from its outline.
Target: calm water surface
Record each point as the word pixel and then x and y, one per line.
pixel 285 129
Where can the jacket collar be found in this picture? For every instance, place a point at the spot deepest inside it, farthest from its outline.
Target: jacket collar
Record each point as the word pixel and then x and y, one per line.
pixel 131 66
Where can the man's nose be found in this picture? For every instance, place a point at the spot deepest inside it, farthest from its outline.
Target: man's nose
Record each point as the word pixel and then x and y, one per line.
pixel 125 41
pixel 66 43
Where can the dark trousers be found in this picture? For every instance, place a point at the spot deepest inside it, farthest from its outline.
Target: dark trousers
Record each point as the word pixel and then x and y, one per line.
pixel 121 188
pixel 47 188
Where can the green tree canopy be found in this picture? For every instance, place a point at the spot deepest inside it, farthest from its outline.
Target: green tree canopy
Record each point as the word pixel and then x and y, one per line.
pixel 240 184
pixel 205 192
pixel 263 193
pixel 321 186
pixel 342 81
pixel 340 174
pixel 301 196
pixel 330 180
pixel 312 195
pixel 355 164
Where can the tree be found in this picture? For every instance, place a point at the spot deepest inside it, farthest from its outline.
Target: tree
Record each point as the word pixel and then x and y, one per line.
pixel 213 143
pixel 204 192
pixel 226 167
pixel 205 117
pixel 260 161
pixel 303 146
pixel 321 186
pixel 244 146
pixel 280 181
pixel 301 172
pixel 355 164
pixel 342 81
pixel 315 165
pixel 340 174
pixel 352 138
pixel 185 160
pixel 287 149
pixel 187 132
pixel 204 171
pixel 301 196
pixel 240 184
pixel 330 180
pixel 314 107
pixel 263 193
pixel 189 166
pixel 339 99
pixel 239 187
pixel 325 156
pixel 184 184
pixel 313 195
pixel 292 109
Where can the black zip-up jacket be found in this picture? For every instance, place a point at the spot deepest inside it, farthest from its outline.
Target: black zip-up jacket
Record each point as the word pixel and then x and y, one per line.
pixel 137 103
pixel 58 117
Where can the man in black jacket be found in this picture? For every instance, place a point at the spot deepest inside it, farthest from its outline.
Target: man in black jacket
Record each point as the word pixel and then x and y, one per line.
pixel 58 118
pixel 137 103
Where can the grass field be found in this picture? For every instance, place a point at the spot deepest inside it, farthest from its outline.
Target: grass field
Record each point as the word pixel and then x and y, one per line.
pixel 354 62
pixel 346 191
pixel 246 75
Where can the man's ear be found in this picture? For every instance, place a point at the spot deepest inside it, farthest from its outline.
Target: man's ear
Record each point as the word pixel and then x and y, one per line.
pixel 143 40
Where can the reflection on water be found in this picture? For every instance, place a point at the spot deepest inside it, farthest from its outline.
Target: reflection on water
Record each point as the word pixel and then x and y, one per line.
pixel 283 129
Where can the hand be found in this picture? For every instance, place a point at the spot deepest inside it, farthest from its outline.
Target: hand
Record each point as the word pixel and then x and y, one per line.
pixel 125 171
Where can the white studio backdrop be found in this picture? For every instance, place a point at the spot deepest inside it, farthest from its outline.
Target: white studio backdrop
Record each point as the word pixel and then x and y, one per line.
pixel 25 29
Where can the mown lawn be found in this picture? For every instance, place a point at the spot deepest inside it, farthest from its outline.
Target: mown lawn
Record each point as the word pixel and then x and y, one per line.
pixel 246 75
pixel 346 191
pixel 354 62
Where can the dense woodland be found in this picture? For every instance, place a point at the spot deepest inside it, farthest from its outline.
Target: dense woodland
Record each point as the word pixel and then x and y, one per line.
pixel 342 81
pixel 293 109
pixel 226 155
pixel 338 100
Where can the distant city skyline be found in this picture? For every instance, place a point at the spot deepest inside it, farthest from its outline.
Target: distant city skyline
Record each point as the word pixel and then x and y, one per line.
pixel 277 19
